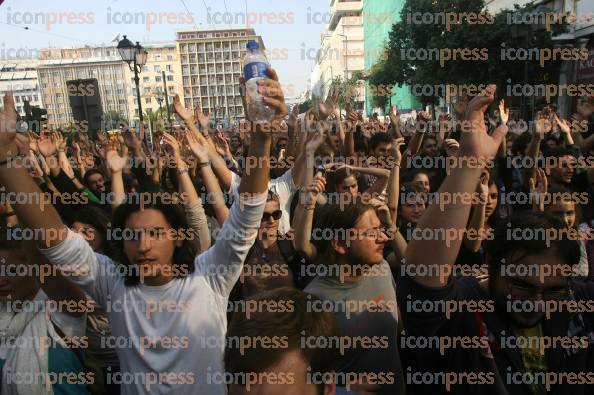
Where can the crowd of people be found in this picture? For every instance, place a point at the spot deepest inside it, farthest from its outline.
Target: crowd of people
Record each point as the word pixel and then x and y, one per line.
pixel 321 253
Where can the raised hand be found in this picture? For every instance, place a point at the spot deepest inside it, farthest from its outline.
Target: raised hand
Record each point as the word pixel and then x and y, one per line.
pixel 8 119
pixel 46 145
pixel 461 105
pixel 317 186
pixel 315 139
pixel 34 167
pixel 482 189
pixel 396 153
pixel 477 143
pixel 424 116
pixel 329 106
pixel 503 112
pixel 563 124
pixel 538 189
pixel 394 118
pixel 272 93
pixel 115 161
pixel 173 145
pixel 59 141
pixel 222 145
pixel 33 142
pixel 382 211
pixel 293 121
pixel 543 124
pixel 201 119
pixel 185 114
pixel 451 147
pixel 445 123
pixel 198 149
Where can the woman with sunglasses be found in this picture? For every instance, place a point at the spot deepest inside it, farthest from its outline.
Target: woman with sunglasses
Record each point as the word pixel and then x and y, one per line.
pixel 266 267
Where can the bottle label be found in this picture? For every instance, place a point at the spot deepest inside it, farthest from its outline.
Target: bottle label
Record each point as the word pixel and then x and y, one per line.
pixel 255 70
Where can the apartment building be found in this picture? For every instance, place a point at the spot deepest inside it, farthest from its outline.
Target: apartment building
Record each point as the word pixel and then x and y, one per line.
pixel 161 57
pixel 56 66
pixel 210 69
pixel 19 76
pixel 342 49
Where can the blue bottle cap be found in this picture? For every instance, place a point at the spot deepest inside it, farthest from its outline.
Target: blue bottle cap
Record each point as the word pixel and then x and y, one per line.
pixel 252 44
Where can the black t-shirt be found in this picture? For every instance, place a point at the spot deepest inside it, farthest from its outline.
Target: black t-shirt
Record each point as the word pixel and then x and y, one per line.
pixel 480 352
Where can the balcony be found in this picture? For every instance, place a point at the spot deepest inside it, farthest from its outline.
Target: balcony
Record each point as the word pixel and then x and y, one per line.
pixel 340 8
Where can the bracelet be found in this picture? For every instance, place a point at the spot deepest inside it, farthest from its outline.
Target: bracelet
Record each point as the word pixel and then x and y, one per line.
pixel 397 164
pixel 203 164
pixel 182 171
pixel 309 208
pixel 8 214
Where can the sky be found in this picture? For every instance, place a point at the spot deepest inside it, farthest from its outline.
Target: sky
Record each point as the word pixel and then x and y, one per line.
pixel 290 28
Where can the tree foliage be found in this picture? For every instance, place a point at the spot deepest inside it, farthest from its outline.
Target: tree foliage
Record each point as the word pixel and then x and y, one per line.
pixel 398 67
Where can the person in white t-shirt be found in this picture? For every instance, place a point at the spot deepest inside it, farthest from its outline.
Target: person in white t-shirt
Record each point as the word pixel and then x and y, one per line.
pixel 168 313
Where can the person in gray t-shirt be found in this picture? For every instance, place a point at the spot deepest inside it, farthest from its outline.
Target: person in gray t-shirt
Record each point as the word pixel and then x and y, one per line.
pixel 357 284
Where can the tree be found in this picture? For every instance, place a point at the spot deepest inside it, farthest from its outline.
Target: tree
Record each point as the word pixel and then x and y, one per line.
pixel 154 117
pixel 113 119
pixel 348 89
pixel 411 59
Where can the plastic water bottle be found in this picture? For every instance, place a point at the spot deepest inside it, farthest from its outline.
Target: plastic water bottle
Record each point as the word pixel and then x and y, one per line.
pixel 254 70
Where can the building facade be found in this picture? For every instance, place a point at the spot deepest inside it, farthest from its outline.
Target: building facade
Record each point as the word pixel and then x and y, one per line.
pixel 341 49
pixel 56 66
pixel 378 18
pixel 211 64
pixel 19 76
pixel 161 57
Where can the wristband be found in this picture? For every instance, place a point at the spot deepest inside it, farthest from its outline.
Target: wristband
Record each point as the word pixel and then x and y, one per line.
pixel 203 164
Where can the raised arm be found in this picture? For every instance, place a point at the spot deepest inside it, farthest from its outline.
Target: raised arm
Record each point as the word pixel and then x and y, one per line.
pixel 214 195
pixel 477 220
pixel 394 179
pixel 17 180
pixel 303 221
pixel 192 202
pixel 240 230
pixel 453 218
pixel 116 164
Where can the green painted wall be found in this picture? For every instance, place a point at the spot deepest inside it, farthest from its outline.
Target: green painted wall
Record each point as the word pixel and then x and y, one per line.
pixel 378 18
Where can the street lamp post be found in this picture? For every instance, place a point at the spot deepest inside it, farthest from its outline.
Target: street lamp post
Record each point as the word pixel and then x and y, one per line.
pixel 135 56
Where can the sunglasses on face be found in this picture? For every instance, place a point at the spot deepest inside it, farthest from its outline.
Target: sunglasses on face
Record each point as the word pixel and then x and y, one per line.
pixel 274 215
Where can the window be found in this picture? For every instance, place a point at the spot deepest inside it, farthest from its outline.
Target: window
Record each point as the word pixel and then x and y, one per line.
pixel 169 58
pixel 157 69
pixel 169 78
pixel 146 80
pixel 147 100
pixel 169 68
pixel 158 78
